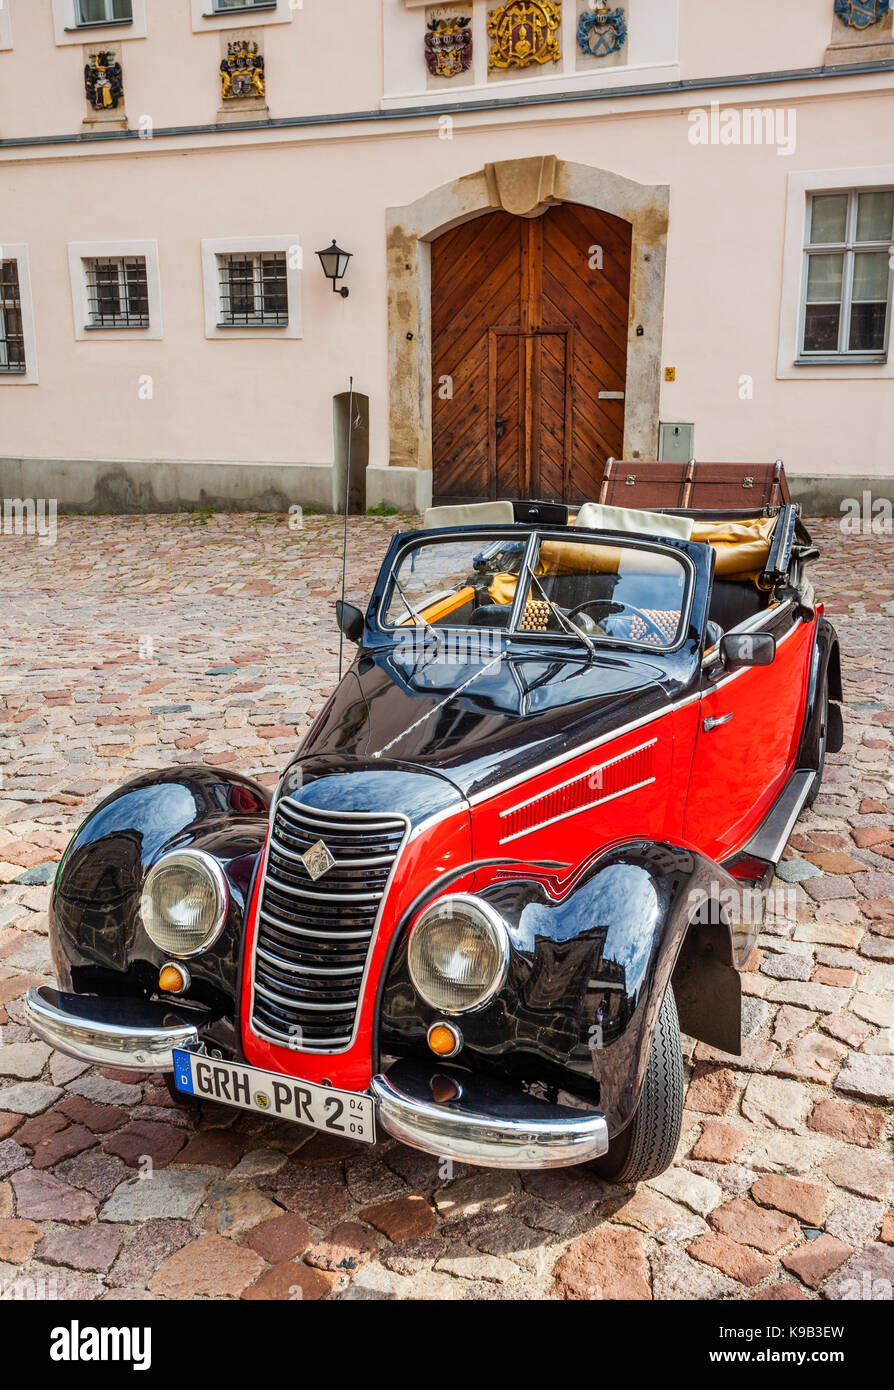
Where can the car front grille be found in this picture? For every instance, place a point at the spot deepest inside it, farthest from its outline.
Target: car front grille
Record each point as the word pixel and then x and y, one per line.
pixel 314 935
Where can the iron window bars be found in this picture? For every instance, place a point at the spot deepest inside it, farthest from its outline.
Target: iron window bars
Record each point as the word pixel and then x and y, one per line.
pixel 253 290
pixel 12 337
pixel 117 292
pixel 847 276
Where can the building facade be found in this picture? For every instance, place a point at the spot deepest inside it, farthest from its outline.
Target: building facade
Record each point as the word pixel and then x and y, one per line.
pixel 577 230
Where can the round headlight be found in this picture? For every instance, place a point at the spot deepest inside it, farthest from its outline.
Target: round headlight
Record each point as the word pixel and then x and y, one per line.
pixel 184 903
pixel 459 954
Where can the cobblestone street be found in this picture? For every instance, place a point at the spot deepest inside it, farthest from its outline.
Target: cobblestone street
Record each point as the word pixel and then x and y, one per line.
pixel 139 642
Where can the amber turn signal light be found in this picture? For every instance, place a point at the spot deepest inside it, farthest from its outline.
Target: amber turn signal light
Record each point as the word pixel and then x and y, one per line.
pixel 173 979
pixel 444 1040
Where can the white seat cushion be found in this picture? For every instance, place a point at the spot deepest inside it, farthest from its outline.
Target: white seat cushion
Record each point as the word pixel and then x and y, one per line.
pixel 598 517
pixel 472 514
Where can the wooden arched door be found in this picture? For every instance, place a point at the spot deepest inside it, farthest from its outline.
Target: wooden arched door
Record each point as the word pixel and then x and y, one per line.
pixel 529 354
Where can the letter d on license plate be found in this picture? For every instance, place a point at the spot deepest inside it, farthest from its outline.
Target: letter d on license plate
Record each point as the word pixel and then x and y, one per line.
pixel 281 1097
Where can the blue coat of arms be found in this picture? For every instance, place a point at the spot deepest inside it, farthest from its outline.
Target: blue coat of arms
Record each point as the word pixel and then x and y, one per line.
pixel 859 14
pixel 602 31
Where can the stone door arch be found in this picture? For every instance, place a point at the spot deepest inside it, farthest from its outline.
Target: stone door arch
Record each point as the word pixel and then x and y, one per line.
pixel 524 188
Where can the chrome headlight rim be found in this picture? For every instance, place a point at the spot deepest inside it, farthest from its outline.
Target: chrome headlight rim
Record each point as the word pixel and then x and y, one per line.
pixel 500 936
pixel 192 858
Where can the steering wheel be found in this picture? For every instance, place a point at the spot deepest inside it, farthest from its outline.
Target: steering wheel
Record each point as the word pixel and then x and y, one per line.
pixel 625 608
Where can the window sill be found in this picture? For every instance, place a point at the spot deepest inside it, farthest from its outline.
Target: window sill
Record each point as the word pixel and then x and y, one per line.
pixel 13 371
pixel 116 327
pixel 224 326
pixel 241 9
pixel 841 360
pixel 100 24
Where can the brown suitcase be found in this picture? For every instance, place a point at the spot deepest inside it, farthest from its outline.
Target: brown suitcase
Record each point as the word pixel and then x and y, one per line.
pixel 705 486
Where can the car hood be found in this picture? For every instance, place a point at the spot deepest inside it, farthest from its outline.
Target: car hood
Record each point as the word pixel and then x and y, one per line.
pixel 476 725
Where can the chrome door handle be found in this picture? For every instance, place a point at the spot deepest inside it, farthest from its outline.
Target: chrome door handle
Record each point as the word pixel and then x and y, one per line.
pixel 714 719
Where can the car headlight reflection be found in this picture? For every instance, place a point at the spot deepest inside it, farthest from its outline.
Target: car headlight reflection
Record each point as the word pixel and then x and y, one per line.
pixel 458 953
pixel 184 903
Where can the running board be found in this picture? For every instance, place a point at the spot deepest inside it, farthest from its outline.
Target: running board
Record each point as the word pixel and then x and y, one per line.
pixel 771 837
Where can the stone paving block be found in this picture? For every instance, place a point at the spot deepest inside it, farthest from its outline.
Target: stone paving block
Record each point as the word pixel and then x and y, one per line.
pixel 166 1194
pixel 816 1259
pixel 607 1263
pixel 209 1267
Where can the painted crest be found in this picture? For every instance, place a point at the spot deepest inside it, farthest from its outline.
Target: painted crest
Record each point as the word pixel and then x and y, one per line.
pixel 601 31
pixel 317 860
pixel 525 32
pixel 448 46
pixel 242 71
pixel 859 14
pixel 103 81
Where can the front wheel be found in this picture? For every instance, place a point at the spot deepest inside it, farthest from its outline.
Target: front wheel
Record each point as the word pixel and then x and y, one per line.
pixel 648 1144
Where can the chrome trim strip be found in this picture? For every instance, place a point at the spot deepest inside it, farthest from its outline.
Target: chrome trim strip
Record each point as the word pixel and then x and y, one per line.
pixel 590 806
pixel 597 767
pixel 105 1044
pixel 561 758
pixel 321 897
pixel 279 964
pixel 302 812
pixel 471 1135
pixel 263 1030
pixel 294 1003
pixel 314 935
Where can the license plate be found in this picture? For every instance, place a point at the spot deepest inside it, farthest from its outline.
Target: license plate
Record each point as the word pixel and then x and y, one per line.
pixel 280 1097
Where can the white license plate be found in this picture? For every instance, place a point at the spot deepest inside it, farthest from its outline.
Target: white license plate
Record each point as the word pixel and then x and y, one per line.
pixel 280 1097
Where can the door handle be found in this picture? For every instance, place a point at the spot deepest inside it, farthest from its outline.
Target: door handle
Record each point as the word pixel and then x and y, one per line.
pixel 714 720
pixel 500 426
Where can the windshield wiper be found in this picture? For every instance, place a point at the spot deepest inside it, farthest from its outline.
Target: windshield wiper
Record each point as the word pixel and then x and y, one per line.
pixel 571 628
pixel 416 615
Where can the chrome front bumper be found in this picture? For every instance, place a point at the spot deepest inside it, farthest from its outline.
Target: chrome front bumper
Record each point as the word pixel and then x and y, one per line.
pixel 131 1034
pixel 485 1122
pixel 440 1109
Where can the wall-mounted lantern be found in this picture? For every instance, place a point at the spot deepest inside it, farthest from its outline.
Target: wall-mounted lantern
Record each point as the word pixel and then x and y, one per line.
pixel 335 262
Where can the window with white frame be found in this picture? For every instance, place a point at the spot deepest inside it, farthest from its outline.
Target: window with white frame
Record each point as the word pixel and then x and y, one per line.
pixel 89 13
pixel 846 306
pixel 253 290
pixel 12 330
pixel 117 291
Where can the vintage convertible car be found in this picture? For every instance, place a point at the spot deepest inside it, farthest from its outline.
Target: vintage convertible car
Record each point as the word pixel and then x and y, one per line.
pixel 524 836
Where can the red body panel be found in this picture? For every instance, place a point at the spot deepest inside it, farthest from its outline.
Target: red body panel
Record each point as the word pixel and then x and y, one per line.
pixel 739 767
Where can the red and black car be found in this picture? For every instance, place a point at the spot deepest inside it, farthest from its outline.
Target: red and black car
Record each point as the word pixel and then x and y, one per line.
pixel 510 854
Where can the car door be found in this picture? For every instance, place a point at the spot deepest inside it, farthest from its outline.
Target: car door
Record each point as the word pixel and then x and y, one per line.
pixel 747 738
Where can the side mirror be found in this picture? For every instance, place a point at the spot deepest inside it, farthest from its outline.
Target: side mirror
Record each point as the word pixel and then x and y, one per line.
pixel 747 649
pixel 350 620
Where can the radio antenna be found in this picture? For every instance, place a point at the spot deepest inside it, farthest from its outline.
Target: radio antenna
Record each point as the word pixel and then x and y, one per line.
pixel 344 555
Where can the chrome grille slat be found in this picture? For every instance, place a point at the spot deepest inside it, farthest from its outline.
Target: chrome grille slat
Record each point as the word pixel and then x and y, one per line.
pixel 314 936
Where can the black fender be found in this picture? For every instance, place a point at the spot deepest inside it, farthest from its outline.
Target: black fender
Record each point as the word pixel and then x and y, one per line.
pixel 97 938
pixel 590 961
pixel 825 661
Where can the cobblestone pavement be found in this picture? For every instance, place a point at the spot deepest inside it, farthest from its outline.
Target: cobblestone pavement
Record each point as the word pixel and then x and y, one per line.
pixel 138 642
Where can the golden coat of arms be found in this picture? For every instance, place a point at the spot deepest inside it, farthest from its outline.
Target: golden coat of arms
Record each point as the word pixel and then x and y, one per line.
pixel 242 71
pixel 525 32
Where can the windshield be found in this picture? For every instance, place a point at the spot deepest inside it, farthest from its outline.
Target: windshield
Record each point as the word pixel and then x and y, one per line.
pixel 618 592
